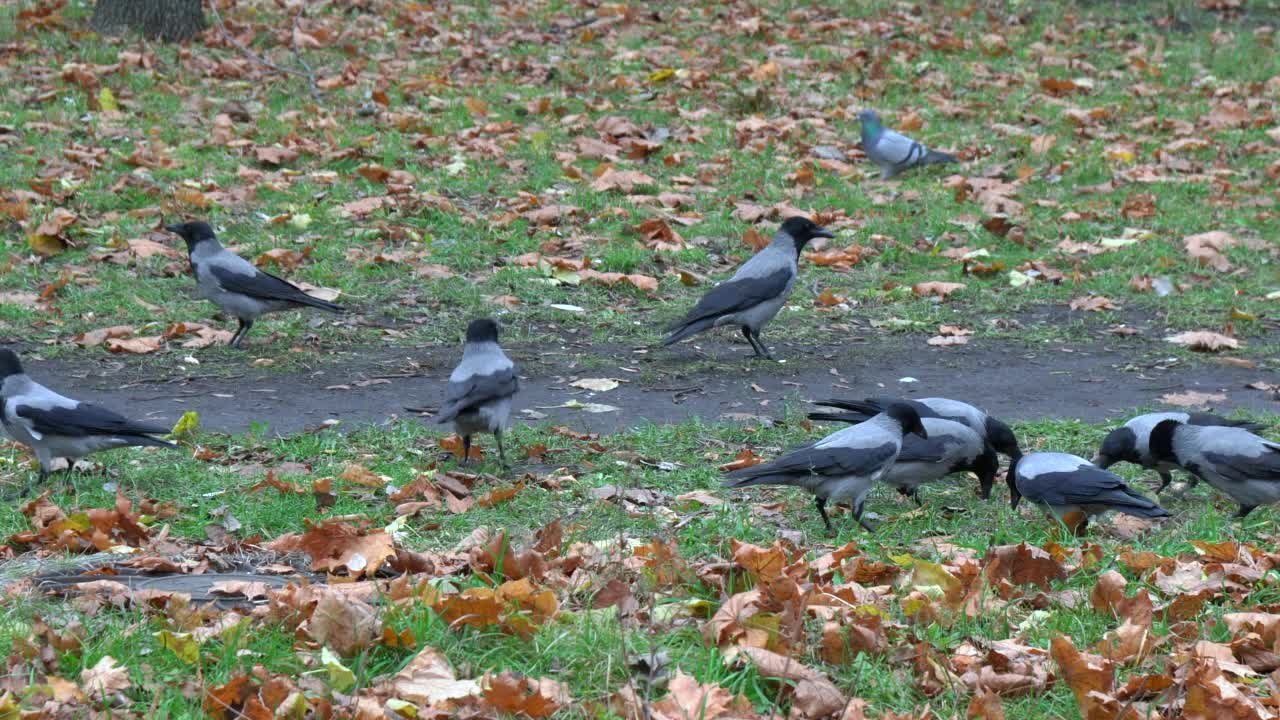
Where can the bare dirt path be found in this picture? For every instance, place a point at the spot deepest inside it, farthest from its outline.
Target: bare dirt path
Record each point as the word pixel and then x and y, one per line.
pixel 1093 382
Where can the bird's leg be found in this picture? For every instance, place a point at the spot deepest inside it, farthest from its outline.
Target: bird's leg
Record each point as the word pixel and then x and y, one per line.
pixel 857 515
pixel 1243 511
pixel 502 453
pixel 915 495
pixel 240 332
pixel 466 449
pixel 1166 477
pixel 761 348
pixel 821 502
pixel 746 333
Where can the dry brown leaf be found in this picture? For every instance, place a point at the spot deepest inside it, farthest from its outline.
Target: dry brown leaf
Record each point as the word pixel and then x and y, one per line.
pixel 936 288
pixel 1208 249
pixel 1204 341
pixel 428 679
pixel 1092 303
pixel 344 624
pixel 514 694
pixel 1192 398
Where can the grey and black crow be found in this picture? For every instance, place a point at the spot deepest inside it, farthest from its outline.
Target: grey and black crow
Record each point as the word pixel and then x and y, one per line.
pixel 1131 442
pixel 843 465
pixel 1069 485
pixel 757 291
pixel 481 388
pixel 951 447
pixel 997 434
pixel 56 426
pixel 1243 465
pixel 236 285
pixel 894 152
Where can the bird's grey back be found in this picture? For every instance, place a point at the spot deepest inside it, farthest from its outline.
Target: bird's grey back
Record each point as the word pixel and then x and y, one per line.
pixel 484 358
pixel 777 255
pixel 872 433
pixel 1042 463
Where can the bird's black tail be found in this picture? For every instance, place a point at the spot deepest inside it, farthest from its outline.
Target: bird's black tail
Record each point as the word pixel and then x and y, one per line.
pixel 682 330
pixel 853 418
pixel 148 441
pixel 1131 503
pixel 318 303
pixel 935 157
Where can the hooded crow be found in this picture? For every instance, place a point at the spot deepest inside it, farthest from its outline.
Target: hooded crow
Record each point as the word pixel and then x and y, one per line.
pixel 1131 442
pixel 844 464
pixel 235 284
pixel 757 291
pixel 481 388
pixel 951 447
pixel 997 434
pixel 1232 459
pixel 56 426
pixel 894 152
pixel 1068 484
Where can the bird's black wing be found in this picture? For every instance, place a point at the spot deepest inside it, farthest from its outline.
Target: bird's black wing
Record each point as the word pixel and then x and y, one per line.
pixel 1240 467
pixel 1085 485
pixel 918 449
pixel 261 285
pixel 82 420
pixel 1205 419
pixel 477 390
pixel 828 461
pixel 737 295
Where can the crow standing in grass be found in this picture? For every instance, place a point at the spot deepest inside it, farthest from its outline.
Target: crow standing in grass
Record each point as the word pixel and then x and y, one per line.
pixel 894 152
pixel 1232 459
pixel 996 433
pixel 1132 441
pixel 843 465
pixel 236 285
pixel 1068 484
pixel 56 426
pixel 757 291
pixel 481 388
pixel 950 448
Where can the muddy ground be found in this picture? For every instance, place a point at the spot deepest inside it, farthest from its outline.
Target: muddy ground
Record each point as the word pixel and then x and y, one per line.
pixel 712 378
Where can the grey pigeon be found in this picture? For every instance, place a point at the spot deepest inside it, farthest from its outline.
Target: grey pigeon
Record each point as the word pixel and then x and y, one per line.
pixel 756 292
pixel 843 465
pixel 892 151
pixel 1130 442
pixel 1065 483
pixel 56 426
pixel 997 434
pixel 950 448
pixel 236 285
pixel 1237 462
pixel 481 388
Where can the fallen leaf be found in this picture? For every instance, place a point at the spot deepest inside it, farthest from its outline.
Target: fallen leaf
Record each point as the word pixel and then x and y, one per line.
pixel 937 289
pixel 1204 341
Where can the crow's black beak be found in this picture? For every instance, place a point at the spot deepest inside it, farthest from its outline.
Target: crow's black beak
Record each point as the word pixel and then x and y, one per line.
pixel 823 233
pixel 173 227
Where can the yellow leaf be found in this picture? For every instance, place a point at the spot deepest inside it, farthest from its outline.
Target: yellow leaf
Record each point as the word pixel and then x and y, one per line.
pixel 46 245
pixel 182 645
pixel 340 676
pixel 107 101
pixel 661 75
pixel 187 424
pixel 1238 314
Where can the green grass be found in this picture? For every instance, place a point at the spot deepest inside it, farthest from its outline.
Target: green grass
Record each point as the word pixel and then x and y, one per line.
pixel 486 167
pixel 583 647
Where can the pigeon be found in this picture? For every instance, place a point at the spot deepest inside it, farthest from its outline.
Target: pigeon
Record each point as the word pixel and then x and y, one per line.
pixel 56 426
pixel 756 291
pixel 844 464
pixel 1069 485
pixel 481 388
pixel 996 433
pixel 951 447
pixel 1130 442
pixel 1232 459
pixel 894 152
pixel 235 284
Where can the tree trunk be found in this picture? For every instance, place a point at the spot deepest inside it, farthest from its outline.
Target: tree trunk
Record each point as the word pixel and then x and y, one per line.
pixel 168 20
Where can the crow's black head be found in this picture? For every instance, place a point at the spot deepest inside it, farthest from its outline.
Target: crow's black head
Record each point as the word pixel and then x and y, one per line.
pixel 193 232
pixel 1002 438
pixel 985 466
pixel 1011 479
pixel 1120 445
pixel 802 230
pixel 1160 444
pixel 9 363
pixel 482 330
pixel 907 417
